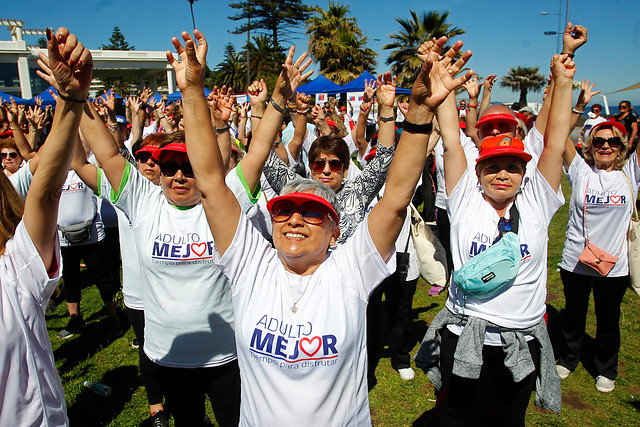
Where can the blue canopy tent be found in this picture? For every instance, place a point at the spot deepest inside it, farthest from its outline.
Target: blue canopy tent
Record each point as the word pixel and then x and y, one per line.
pixel 175 96
pixel 5 97
pixel 104 98
pixel 320 84
pixel 47 99
pixel 357 85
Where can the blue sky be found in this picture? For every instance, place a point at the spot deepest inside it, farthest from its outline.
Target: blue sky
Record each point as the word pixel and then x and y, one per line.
pixel 502 34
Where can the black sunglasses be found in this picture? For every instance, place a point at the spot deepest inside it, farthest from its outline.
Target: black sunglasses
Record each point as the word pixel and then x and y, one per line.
pixel 311 212
pixel 144 156
pixel 504 226
pixel 335 165
pixel 11 154
pixel 170 169
pixel 622 107
pixel 614 142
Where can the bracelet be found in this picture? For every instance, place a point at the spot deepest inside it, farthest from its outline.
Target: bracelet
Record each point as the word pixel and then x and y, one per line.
pixel 385 119
pixel 77 101
pixel 161 117
pixel 415 128
pixel 222 129
pixel 255 116
pixel 292 106
pixel 278 108
pixel 577 112
pixel 113 127
pixel 570 55
pixel 303 112
pixel 276 143
pixel 472 106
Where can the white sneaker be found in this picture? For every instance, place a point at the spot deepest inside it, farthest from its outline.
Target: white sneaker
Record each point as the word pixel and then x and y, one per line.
pixel 604 384
pixel 406 374
pixel 562 371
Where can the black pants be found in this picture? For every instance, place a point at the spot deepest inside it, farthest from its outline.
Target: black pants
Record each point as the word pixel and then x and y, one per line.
pixel 607 297
pixel 444 235
pixel 399 298
pixel 94 256
pixel 148 369
pixel 185 390
pixel 509 399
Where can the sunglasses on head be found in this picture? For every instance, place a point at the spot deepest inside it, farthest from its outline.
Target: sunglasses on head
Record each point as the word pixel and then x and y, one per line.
pixel 614 142
pixel 318 165
pixel 169 169
pixel 313 213
pixel 11 154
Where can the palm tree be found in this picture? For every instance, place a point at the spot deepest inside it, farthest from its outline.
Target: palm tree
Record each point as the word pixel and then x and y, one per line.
pixel 403 60
pixel 336 43
pixel 263 57
pixel 231 71
pixel 524 79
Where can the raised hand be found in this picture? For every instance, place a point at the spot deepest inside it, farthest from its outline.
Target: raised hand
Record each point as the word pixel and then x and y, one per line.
pixel 38 101
pixel 145 95
pixel 365 107
pixel 369 90
pixel 586 92
pixel 108 99
pixel 472 87
pixel 244 110
pixel 222 103
pixel 69 66
pixel 562 67
pixel 435 81
pixel 403 106
pixel 258 94
pixel 574 36
pixel 12 110
pixel 134 104
pixel 318 113
pixel 292 74
pixel 385 90
pixel 191 67
pixel 489 81
pixel 302 102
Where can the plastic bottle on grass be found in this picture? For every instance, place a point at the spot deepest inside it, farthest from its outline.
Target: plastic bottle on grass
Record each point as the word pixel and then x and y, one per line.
pixel 98 388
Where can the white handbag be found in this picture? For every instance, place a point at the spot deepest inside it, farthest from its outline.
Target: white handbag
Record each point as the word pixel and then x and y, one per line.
pixel 633 240
pixel 432 259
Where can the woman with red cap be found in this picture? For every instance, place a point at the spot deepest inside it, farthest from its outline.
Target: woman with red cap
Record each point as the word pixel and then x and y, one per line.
pixel 300 309
pixel 492 328
pixel 604 188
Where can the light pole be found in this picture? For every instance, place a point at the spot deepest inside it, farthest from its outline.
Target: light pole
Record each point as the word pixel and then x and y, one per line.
pixel 559 32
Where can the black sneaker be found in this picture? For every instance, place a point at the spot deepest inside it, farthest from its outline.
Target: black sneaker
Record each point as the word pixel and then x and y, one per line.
pixel 135 343
pixel 159 419
pixel 75 325
pixel 113 328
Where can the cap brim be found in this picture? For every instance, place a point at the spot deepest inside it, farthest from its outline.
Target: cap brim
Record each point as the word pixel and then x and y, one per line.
pixel 173 147
pixel 300 198
pixel 494 117
pixel 504 151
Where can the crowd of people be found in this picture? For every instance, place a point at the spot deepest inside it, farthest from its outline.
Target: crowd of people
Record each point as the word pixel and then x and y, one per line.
pixel 256 239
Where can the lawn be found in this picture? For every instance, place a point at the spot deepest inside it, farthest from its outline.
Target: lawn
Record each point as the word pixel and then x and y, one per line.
pixel 91 356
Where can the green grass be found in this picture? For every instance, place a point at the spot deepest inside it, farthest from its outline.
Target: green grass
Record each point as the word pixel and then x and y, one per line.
pixel 90 356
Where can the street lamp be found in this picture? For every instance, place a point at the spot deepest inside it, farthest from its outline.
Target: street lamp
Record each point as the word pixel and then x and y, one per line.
pixel 560 27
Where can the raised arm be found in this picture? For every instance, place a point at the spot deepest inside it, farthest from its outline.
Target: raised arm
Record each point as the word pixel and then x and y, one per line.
pixel 26 151
pixel 486 93
pixel 136 126
pixel 586 93
pixel 433 85
pixel 473 89
pixel 558 125
pixel 359 132
pixel 222 102
pixel 72 67
pixel 300 128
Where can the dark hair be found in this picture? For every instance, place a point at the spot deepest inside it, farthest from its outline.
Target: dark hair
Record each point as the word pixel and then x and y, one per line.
pixel 596 106
pixel 175 137
pixel 627 103
pixel 330 144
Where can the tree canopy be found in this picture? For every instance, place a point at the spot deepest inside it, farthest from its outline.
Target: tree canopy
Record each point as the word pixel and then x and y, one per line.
pixel 337 44
pixel 117 41
pixel 524 79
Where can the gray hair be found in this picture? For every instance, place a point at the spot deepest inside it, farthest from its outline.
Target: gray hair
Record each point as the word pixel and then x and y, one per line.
pixel 306 185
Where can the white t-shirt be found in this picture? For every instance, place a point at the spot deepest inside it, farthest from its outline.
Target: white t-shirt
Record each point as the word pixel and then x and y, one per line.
pixel 471 153
pixel 187 299
pixel 78 204
pixel 609 208
pixel 30 388
pixel 21 180
pixel 309 367
pixel 474 227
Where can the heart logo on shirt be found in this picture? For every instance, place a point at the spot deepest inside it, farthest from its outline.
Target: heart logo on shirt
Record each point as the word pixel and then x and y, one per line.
pixel 73 186
pixel 308 343
pixel 615 199
pixel 199 248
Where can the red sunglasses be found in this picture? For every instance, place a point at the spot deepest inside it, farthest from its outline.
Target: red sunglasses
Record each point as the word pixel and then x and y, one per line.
pixel 313 213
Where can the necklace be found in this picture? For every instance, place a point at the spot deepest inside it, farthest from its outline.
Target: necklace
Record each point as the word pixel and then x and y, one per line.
pixel 294 307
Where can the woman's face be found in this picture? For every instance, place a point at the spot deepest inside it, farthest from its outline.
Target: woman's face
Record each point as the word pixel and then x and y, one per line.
pixel 302 247
pixel 11 159
pixel 329 170
pixel 605 155
pixel 178 184
pixel 501 177
pixel 148 167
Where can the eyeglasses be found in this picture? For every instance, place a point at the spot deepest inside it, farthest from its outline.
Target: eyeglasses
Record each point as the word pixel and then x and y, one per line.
pixel 311 212
pixel 144 156
pixel 614 142
pixel 596 110
pixel 318 165
pixel 11 154
pixel 170 169
pixel 622 107
pixel 504 226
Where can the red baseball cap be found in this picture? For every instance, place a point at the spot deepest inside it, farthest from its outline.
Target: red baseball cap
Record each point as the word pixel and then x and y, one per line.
pixel 331 123
pixel 148 148
pixel 612 123
pixel 494 146
pixel 521 116
pixel 300 198
pixel 495 117
pixel 175 147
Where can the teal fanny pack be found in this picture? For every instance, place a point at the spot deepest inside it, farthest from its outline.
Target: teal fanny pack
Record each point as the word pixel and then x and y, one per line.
pixel 494 270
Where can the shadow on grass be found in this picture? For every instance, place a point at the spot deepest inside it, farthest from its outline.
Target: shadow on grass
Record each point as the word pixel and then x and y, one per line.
pixel 90 409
